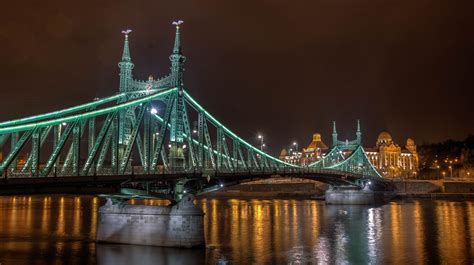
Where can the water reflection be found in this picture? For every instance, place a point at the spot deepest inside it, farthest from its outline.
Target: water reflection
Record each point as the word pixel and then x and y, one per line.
pixel 115 254
pixel 62 229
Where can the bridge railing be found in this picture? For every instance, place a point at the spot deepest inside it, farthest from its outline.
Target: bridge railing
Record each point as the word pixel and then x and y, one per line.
pixel 60 171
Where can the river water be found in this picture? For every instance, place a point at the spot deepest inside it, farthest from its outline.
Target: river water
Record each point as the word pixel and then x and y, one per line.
pixel 61 230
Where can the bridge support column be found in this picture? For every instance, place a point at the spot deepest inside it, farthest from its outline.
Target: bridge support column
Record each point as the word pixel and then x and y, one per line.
pixel 351 195
pixel 180 225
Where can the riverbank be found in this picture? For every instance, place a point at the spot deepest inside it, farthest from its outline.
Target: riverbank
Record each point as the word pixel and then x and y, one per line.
pixel 307 189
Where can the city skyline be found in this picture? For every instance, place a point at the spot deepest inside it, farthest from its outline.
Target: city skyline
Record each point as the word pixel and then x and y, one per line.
pixel 392 68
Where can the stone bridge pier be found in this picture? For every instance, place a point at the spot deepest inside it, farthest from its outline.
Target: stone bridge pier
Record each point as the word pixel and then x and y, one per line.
pixel 178 225
pixel 370 194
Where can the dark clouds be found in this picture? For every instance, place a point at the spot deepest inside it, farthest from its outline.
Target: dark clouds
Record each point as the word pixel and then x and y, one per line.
pixel 282 68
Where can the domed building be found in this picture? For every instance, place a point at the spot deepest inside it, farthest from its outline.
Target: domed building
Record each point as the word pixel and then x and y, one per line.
pixel 292 157
pixel 314 151
pixel 283 154
pixel 391 159
pixel 384 138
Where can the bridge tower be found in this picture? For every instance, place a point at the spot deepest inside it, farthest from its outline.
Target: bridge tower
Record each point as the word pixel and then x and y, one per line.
pixel 358 134
pixel 334 134
pixel 177 147
pixel 347 144
pixel 124 123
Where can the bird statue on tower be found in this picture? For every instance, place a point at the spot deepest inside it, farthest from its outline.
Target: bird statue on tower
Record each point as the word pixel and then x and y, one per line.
pixel 177 23
pixel 126 32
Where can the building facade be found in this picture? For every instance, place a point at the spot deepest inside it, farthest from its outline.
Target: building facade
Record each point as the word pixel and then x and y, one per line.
pixel 291 156
pixel 315 150
pixel 389 158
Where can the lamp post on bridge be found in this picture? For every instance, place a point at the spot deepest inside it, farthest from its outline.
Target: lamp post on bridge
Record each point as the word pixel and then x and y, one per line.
pixel 262 144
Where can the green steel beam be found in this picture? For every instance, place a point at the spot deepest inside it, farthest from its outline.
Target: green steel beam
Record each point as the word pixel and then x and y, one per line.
pixel 161 136
pixel 3 139
pixel 97 144
pixel 219 148
pixel 91 137
pixel 140 146
pixel 35 152
pixel 70 157
pixel 57 149
pixel 128 150
pixel 242 158
pixel 188 135
pixel 114 149
pixel 207 137
pixel 104 149
pixel 201 139
pixel 28 162
pixel 59 113
pixel 147 139
pixel 226 153
pixel 13 141
pixel 76 148
pixel 229 132
pixel 164 158
pixel 86 115
pixel 56 137
pixel 15 150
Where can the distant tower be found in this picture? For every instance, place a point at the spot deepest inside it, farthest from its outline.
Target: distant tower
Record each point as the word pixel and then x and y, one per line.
pixel 359 134
pixel 126 66
pixel 334 134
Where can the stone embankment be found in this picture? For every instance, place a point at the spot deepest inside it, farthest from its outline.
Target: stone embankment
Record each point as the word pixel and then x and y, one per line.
pixel 273 188
pixel 301 188
pixel 434 189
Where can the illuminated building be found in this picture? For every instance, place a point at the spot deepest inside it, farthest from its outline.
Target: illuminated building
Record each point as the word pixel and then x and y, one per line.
pixel 314 151
pixel 292 157
pixel 391 159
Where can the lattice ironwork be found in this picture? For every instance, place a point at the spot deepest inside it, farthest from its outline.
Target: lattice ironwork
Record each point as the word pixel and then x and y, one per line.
pixel 146 130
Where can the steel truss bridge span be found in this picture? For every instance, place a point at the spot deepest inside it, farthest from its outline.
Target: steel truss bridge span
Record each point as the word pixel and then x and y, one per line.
pixel 152 138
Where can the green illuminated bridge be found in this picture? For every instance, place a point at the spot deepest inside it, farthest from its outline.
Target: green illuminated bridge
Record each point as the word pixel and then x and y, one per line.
pixel 153 139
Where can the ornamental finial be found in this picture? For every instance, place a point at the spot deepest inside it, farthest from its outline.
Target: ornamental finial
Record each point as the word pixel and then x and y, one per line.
pixel 126 32
pixel 177 23
pixel 177 41
pixel 126 51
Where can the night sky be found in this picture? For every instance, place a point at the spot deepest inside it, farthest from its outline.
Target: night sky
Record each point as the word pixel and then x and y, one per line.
pixel 285 69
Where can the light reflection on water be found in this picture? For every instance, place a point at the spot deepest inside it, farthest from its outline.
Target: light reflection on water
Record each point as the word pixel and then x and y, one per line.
pixel 62 229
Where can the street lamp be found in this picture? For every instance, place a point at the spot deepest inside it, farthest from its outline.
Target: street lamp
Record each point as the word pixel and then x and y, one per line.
pixel 295 144
pixel 261 141
pixel 450 171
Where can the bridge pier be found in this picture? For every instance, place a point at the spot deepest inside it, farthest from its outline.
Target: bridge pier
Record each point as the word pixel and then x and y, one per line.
pixel 179 225
pixel 351 195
